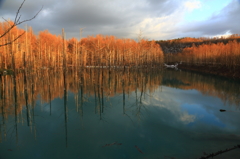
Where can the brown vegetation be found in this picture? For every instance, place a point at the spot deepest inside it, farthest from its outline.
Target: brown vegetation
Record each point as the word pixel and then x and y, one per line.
pixel 214 54
pixel 46 50
pixel 222 58
pixel 177 45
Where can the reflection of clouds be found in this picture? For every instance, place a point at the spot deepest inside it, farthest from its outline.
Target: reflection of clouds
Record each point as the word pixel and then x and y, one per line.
pixel 203 114
pixel 198 111
pixel 167 102
pixel 187 118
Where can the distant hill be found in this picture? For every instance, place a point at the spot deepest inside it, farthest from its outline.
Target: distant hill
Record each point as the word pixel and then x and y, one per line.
pixel 177 45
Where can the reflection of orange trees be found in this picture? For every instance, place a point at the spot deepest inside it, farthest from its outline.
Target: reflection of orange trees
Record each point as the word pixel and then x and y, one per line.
pixel 45 50
pixel 111 81
pixel 48 84
pixel 226 91
pixel 6 101
pixel 102 83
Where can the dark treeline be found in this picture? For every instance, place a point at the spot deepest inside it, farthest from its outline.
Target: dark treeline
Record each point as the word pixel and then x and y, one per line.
pixel 177 45
pixel 219 56
pixel 214 54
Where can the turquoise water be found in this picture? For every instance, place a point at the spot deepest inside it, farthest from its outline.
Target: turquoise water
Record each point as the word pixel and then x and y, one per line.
pixel 176 120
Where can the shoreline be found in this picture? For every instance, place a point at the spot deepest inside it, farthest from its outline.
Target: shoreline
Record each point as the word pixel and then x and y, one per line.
pixel 217 70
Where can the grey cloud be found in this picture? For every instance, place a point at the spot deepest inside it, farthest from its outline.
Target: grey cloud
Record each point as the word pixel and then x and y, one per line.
pixel 165 7
pixel 1 2
pixel 119 17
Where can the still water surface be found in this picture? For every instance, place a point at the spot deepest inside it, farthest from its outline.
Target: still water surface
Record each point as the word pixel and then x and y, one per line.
pixel 118 114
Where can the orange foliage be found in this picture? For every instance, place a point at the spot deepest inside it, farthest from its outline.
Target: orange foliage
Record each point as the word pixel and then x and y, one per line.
pixel 215 54
pixel 46 50
pixel 189 39
pixel 109 51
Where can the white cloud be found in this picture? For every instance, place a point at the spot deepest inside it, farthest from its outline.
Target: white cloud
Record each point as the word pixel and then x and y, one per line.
pixel 187 118
pixel 162 100
pixel 45 12
pixel 191 5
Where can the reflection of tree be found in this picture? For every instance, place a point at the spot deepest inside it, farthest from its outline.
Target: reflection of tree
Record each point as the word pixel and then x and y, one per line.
pixel 97 82
pixel 222 88
pixel 81 96
pixel 22 89
pixel 26 94
pixel 3 111
pixel 142 84
pixel 65 82
pixel 219 152
pixel 123 92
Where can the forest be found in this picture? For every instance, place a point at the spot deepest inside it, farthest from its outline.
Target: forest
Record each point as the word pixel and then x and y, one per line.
pixel 219 56
pixel 211 53
pixel 45 50
pixel 48 50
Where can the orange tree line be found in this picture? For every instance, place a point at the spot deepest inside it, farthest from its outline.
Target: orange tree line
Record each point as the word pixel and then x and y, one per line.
pixel 46 50
pixel 227 55
pixel 216 54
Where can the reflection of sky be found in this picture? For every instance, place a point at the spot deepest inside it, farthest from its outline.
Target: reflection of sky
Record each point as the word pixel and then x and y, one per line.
pixel 193 108
pixel 168 122
pixel 202 115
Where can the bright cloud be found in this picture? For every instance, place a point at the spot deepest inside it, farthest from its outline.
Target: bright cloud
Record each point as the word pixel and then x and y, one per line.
pixel 191 5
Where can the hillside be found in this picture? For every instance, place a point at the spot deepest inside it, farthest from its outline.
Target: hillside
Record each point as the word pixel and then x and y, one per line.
pixel 177 45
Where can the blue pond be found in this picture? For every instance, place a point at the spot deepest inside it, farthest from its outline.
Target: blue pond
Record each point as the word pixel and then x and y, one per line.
pixel 132 114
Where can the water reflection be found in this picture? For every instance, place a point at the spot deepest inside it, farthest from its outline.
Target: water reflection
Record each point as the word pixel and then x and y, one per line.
pixel 72 113
pixel 227 90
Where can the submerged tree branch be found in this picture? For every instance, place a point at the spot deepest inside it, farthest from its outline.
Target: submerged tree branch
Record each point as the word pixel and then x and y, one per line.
pixel 219 152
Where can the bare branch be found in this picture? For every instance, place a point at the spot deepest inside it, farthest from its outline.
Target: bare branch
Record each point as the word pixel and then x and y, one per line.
pixel 18 12
pixel 13 40
pixel 17 22
pixel 30 18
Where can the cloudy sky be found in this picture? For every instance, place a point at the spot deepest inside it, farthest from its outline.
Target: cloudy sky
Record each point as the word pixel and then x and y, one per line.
pixel 155 19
